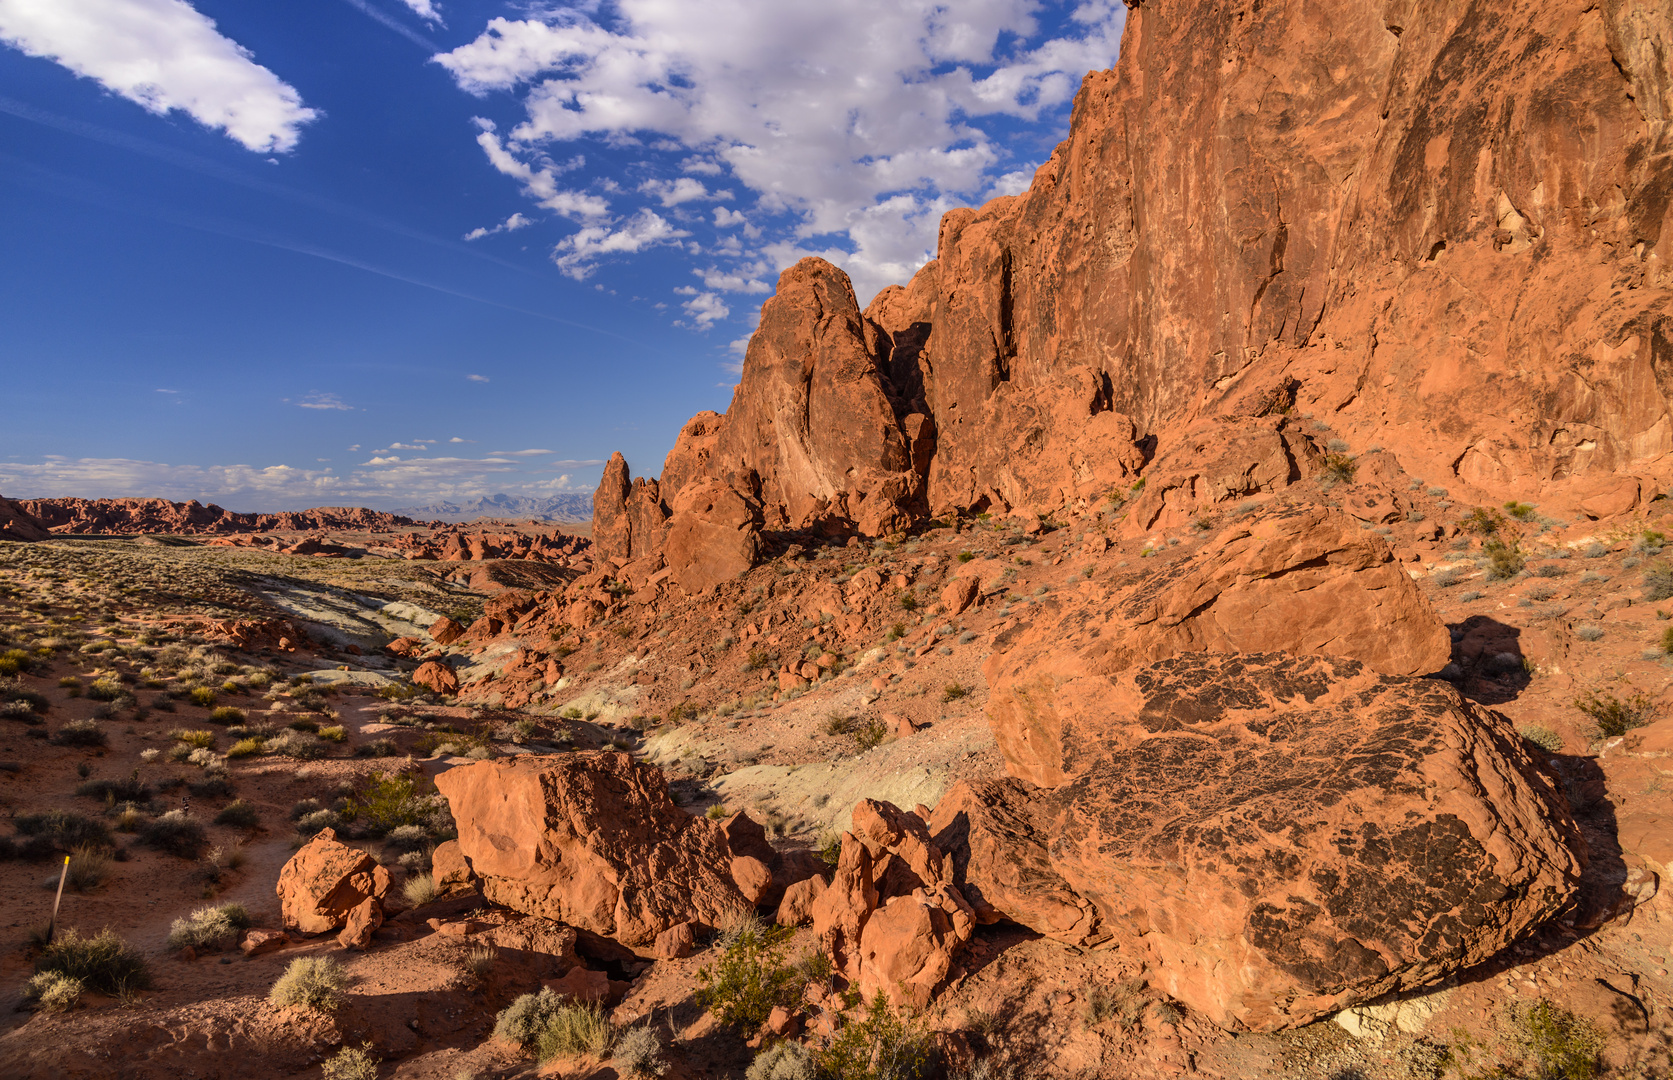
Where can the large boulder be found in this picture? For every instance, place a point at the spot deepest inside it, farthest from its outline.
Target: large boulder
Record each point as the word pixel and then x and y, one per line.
pixel 326 882
pixel 592 840
pixel 1281 836
pixel 892 919
pixel 713 536
pixel 1302 580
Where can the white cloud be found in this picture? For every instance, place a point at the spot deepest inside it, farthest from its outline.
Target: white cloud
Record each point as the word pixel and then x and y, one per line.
pixel 706 309
pixel 685 189
pixel 723 281
pixel 402 446
pixel 324 401
pixel 725 219
pixel 473 378
pixel 576 255
pixel 519 453
pixel 542 184
pixel 510 224
pixel 162 55
pixel 853 120
pixel 425 10
pixel 456 439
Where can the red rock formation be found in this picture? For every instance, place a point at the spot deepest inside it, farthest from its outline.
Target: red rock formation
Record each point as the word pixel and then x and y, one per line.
pixel 593 840
pixel 326 883
pixel 16 523
pixel 194 518
pixel 1446 232
pixel 1283 837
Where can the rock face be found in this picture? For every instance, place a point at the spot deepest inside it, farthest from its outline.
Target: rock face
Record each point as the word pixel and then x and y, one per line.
pixel 1298 579
pixel 327 882
pixel 1283 836
pixel 16 523
pixel 1445 231
pixel 593 840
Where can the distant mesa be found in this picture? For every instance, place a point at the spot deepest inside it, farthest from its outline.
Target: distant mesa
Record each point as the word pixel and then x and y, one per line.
pixel 571 507
pixel 80 517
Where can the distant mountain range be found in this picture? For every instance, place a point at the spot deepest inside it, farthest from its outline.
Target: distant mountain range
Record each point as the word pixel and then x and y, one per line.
pixel 576 506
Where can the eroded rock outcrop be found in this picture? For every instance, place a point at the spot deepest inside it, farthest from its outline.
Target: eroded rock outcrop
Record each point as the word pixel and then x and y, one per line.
pixel 16 523
pixel 1282 836
pixel 194 518
pixel 327 885
pixel 593 840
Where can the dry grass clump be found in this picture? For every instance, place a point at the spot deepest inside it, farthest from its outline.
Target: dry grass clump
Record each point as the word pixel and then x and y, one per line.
pixel 554 1028
pixel 103 962
pixel 175 833
pixel 420 889
pixel 53 992
pixel 351 1063
pixel 315 982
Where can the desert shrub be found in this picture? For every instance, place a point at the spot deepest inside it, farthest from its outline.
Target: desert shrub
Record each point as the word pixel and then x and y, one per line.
pixel 1542 737
pixel 316 982
pixel 1504 558
pixel 377 748
pixel 296 744
pixel 1588 633
pixel 837 723
pixel 63 830
pixel 405 838
pixel 336 733
pixel 480 961
pixel 71 684
pixel 574 1029
pixel 13 693
pixel 908 600
pixel 1614 716
pixel 175 834
pixel 202 696
pixel 388 802
pixel 88 869
pixel 239 814
pixel 84 733
pixel 638 1052
pixel 227 716
pixel 751 977
pixel 303 808
pixel 304 723
pixel 209 927
pixel 14 661
pixel 1562 1045
pixel 124 789
pixel 351 1063
pixel 872 733
pixel 309 824
pixel 1340 468
pixel 1483 521
pixel 105 689
pixel 419 890
pixel 883 1046
pixel 1658 582
pixel 1521 511
pixel 53 991
pixel 244 748
pixel 953 691
pixel 783 1060
pixel 103 962
pixel 213 786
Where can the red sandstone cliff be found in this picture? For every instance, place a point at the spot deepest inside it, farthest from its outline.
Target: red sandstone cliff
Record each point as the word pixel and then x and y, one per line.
pixel 1441 228
pixel 162 516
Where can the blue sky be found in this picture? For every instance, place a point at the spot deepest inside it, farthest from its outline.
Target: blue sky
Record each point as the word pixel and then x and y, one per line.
pixel 385 252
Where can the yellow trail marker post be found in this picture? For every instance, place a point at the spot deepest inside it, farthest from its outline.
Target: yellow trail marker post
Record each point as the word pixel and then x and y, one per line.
pixel 52 927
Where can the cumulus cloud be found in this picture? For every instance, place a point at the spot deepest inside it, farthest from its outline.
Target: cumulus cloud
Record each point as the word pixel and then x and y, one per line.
pixel 324 401
pixel 706 309
pixel 162 55
pixel 541 184
pixel 856 123
pixel 577 255
pixel 510 224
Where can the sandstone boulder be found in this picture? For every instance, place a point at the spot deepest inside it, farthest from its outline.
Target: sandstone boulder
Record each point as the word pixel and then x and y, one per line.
pixel 593 840
pixel 1281 836
pixel 361 924
pixel 892 918
pixel 436 676
pixel 1303 580
pixel 325 882
pixel 1218 460
pixel 450 868
pixel 444 631
pixel 714 535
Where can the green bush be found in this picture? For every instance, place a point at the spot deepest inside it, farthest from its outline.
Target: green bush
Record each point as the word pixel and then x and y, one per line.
pixel 14 661
pixel 1504 558
pixel 316 982
pixel 238 814
pixel 575 1029
pixel 105 690
pixel 953 691
pixel 1658 582
pixel 175 834
pixel 522 1021
pixel 389 802
pixel 751 977
pixel 881 1047
pixel 1340 468
pixel 1562 1045
pixel 1542 737
pixel 244 748
pixel 226 716
pixel 209 927
pixel 104 962
pixel 1613 715
pixel 202 696
pixel 871 734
